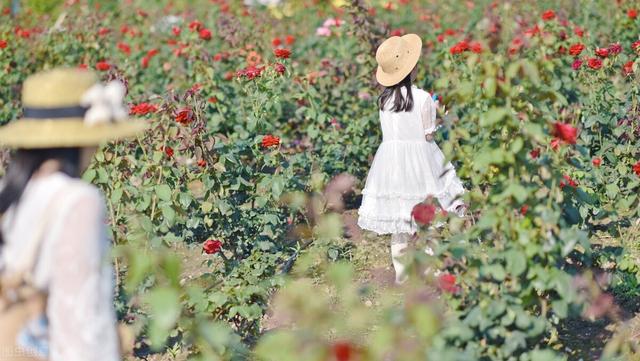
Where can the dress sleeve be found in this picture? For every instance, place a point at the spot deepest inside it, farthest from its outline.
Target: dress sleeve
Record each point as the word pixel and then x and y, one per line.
pixel 428 112
pixel 82 322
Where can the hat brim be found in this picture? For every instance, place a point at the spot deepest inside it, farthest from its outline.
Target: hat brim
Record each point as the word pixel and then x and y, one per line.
pixel 415 51
pixel 65 133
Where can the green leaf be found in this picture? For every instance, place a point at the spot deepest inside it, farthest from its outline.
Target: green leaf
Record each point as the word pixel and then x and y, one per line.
pixel 560 308
pixel 116 194
pixel 164 192
pixel 206 207
pixel 516 262
pixel 164 306
pixel 89 175
pixel 277 186
pixel 493 116
pixel 168 213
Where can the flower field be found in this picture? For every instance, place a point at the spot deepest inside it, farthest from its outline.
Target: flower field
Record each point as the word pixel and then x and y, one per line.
pixel 234 216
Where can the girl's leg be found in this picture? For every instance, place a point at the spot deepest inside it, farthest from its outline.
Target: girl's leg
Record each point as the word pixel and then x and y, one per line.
pixel 399 244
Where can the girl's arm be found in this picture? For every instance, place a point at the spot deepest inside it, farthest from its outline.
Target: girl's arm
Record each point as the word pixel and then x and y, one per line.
pixel 429 121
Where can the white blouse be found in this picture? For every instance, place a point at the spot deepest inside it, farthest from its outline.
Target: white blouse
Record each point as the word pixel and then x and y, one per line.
pixel 72 264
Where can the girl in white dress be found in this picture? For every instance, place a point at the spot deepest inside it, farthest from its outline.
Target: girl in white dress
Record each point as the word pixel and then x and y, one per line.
pixel 408 166
pixel 56 281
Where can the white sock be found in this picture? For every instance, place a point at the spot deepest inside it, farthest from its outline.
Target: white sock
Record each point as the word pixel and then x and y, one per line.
pixel 399 244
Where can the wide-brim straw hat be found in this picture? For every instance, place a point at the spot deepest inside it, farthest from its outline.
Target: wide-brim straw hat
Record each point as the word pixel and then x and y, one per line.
pixel 64 108
pixel 396 57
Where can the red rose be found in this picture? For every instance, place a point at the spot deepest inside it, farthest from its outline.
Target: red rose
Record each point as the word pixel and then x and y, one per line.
pixel 475 47
pixel 212 100
pixel 3 44
pixel 103 31
pixel 460 47
pixel 23 33
pixel 447 283
pixel 184 116
pixel 516 44
pixel 548 15
pixel 594 63
pixel 342 350
pixel 205 34
pixel 270 141
pixel 276 42
pixel 535 153
pixel 636 168
pixel 578 31
pixel 576 49
pixel 627 68
pixel 615 49
pixel 577 64
pixel 195 88
pixel 636 45
pixel 250 72
pixel 423 213
pixel 195 26
pixel 532 31
pixel 396 32
pixel 176 31
pixel 290 39
pixel 555 143
pixel 125 48
pixel 596 161
pixel 632 14
pixel 202 163
pixel 145 62
pixel 602 52
pixel 153 52
pixel 168 151
pixel 143 109
pixel 212 246
pixel 566 132
pixel 568 181
pixel 103 66
pixel 524 209
pixel 282 53
pixel 280 68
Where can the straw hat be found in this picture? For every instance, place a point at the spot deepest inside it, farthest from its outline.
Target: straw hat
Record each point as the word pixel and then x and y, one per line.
pixel 69 108
pixel 396 57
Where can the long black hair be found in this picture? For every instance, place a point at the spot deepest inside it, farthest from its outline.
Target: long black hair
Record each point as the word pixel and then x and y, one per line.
pixel 25 162
pixel 400 103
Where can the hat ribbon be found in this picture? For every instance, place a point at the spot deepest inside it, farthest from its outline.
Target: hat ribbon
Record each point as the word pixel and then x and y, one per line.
pixel 52 113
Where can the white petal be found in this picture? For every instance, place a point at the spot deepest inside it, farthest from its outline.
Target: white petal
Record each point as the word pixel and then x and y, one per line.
pixel 94 94
pixel 97 114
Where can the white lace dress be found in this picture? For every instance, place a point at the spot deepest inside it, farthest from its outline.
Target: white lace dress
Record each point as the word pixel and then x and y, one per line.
pixel 406 169
pixel 72 265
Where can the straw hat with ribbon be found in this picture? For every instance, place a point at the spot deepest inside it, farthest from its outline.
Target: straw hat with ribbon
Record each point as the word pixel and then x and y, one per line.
pixel 66 108
pixel 396 57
